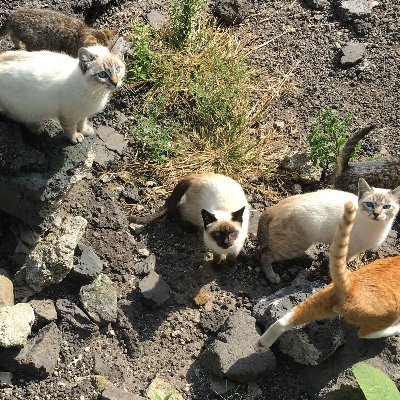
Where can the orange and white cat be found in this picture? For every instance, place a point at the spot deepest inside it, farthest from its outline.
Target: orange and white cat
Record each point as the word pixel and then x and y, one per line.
pixel 368 298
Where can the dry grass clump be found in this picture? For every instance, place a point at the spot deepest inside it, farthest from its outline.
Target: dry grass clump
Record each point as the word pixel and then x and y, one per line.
pixel 200 105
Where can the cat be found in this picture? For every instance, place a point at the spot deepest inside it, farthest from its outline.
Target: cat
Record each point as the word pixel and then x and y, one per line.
pixel 52 30
pixel 368 298
pixel 40 85
pixel 215 203
pixel 287 229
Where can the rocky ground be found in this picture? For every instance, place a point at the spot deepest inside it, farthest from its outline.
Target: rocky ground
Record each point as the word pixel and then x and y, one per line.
pixel 163 315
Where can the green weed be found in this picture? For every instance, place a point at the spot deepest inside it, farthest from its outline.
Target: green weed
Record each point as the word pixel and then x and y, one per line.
pixel 184 19
pixel 328 136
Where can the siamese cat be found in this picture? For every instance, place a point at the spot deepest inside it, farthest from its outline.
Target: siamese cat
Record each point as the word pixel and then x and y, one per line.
pixel 287 229
pixel 215 203
pixel 40 85
pixel 368 298
pixel 51 30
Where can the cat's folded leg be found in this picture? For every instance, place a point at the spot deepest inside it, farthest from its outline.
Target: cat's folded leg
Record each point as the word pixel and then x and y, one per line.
pixel 366 333
pixel 85 128
pixel 69 127
pixel 266 265
pixel 273 332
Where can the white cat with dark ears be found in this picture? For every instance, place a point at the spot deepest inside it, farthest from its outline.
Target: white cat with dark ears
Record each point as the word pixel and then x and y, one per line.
pixel 40 85
pixel 287 229
pixel 215 203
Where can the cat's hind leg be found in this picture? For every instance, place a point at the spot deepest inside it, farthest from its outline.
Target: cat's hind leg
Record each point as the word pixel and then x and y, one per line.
pixel 273 332
pixel 85 128
pixel 70 130
pixel 266 265
pixel 366 332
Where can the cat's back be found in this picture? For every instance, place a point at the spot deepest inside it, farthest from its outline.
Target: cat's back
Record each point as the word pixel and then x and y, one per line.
pixel 217 192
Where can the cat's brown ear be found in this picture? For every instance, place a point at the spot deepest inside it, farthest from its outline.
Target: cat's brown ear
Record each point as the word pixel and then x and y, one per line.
pixel 109 33
pixel 363 187
pixel 208 218
pixel 117 47
pixel 238 215
pixel 85 58
pixel 90 41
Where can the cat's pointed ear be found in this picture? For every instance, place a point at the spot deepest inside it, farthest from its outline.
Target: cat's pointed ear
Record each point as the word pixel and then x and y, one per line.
pixel 85 58
pixel 363 187
pixel 208 218
pixel 396 193
pixel 238 215
pixel 118 47
pixel 90 41
pixel 109 33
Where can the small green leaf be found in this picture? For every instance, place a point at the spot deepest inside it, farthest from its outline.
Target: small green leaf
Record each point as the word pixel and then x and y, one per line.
pixel 375 384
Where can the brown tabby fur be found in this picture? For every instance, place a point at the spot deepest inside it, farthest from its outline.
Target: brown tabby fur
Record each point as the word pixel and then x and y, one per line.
pixel 52 30
pixel 368 298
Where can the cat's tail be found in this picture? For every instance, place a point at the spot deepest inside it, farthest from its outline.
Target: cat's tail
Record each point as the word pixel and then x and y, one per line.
pixel 338 253
pixel 170 205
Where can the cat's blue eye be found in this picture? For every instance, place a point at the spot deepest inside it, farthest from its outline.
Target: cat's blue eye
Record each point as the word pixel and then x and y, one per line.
pixel 386 206
pixel 369 204
pixel 102 74
pixel 117 70
pixel 217 234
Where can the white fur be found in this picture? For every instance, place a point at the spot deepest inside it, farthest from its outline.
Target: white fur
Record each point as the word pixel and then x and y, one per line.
pixel 320 212
pixel 35 86
pixel 270 336
pixel 389 331
pixel 219 195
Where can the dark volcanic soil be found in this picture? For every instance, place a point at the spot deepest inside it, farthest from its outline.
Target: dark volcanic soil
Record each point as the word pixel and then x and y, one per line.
pixel 165 342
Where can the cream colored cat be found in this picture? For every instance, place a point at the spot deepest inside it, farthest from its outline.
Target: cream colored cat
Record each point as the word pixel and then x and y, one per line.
pixel 287 229
pixel 215 203
pixel 368 297
pixel 40 85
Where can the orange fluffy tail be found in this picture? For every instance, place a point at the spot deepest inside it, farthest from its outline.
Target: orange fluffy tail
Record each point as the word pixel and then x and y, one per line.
pixel 170 205
pixel 338 253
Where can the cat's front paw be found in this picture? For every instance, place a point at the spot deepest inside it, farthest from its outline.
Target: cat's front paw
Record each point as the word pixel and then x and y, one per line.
pixel 259 348
pixel 88 131
pixel 76 137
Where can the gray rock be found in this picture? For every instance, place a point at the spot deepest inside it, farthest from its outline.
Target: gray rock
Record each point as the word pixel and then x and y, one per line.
pixel 146 266
pixel 317 4
pixel 253 391
pixel 310 344
pixel 6 289
pixel 156 19
pixel 110 145
pixel 222 386
pixel 353 53
pixel 35 178
pixel 232 11
pixel 353 9
pixel 232 355
pixel 99 366
pixel 15 324
pixel 154 289
pixel 213 320
pixel 99 299
pixel 40 355
pixel 53 256
pixel 300 168
pixel 45 312
pixel 87 264
pixel 6 378
pixel 253 223
pixel 73 315
pixel 114 393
